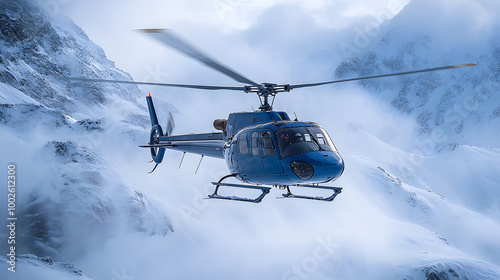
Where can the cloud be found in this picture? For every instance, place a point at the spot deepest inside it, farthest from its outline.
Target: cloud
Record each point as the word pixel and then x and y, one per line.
pixel 220 34
pixel 285 42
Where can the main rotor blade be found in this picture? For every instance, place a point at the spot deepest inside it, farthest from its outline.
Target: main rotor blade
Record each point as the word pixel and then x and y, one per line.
pixel 157 84
pixel 168 37
pixel 381 76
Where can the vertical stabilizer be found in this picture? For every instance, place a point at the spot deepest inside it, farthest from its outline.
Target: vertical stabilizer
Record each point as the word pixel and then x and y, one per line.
pixel 152 112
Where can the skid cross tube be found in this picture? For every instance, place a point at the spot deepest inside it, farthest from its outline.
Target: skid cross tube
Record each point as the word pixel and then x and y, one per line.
pixel 215 195
pixel 335 190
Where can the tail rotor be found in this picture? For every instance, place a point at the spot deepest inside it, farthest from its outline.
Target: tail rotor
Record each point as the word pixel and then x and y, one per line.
pixel 156 133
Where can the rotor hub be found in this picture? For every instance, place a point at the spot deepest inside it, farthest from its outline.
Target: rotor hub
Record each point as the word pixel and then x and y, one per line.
pixel 265 90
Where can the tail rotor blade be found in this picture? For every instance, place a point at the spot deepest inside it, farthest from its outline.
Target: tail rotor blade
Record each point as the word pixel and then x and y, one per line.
pixel 170 124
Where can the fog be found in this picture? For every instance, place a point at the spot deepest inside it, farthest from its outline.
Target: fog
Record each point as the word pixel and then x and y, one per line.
pixel 354 237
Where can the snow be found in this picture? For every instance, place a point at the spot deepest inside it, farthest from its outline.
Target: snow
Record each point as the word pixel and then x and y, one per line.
pixel 415 204
pixel 450 105
pixel 29 266
pixel 10 95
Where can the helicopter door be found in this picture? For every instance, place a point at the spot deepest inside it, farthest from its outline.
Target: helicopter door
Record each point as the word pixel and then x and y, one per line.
pixel 249 164
pixel 243 154
pixel 269 158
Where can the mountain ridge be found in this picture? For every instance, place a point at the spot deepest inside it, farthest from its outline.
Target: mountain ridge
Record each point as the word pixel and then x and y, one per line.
pixel 75 192
pixel 452 102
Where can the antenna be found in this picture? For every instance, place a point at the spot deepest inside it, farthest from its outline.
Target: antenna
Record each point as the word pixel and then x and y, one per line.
pixel 182 159
pixel 199 164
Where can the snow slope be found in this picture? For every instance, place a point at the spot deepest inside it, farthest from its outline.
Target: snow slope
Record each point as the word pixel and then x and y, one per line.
pixel 10 95
pixel 30 266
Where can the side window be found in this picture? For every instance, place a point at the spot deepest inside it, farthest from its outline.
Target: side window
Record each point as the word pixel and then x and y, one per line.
pixel 267 144
pixel 255 143
pixel 243 143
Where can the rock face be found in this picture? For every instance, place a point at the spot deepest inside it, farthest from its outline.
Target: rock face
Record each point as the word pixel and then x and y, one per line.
pixel 63 127
pixel 38 52
pixel 455 102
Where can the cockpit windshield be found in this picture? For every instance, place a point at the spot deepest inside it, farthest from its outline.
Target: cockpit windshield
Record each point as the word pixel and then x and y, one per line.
pixel 296 140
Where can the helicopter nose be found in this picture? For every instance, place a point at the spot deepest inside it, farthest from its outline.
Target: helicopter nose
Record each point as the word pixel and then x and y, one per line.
pixel 330 166
pixel 318 167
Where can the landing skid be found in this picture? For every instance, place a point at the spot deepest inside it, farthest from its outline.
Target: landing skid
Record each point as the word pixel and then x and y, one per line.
pixel 215 195
pixel 335 190
pixel 265 191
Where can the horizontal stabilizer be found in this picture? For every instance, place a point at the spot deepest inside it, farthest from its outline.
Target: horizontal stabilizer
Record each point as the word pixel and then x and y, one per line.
pixel 211 148
pixel 157 146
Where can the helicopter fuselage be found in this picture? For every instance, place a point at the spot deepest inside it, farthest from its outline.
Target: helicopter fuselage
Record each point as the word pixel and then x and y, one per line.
pixel 262 147
pixel 283 153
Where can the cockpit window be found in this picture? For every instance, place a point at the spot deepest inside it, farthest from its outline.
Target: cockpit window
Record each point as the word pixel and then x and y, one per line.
pixel 296 140
pixel 321 138
pixel 267 144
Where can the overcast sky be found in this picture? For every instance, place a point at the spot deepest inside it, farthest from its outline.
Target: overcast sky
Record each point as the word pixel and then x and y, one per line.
pixel 228 29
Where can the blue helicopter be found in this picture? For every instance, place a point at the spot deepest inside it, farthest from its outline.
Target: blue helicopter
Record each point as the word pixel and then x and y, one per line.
pixel 262 149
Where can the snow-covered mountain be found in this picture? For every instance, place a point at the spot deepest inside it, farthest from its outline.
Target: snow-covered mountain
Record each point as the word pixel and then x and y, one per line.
pixel 72 196
pixel 457 103
pixel 448 183
pixel 426 209
pixel 38 52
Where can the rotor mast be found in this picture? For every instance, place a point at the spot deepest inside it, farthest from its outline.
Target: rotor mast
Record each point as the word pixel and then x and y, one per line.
pixel 265 106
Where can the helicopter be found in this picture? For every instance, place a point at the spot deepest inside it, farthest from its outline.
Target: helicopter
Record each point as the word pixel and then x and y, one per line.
pixel 263 148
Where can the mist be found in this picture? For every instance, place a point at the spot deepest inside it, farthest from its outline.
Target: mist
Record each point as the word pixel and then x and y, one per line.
pixel 367 232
